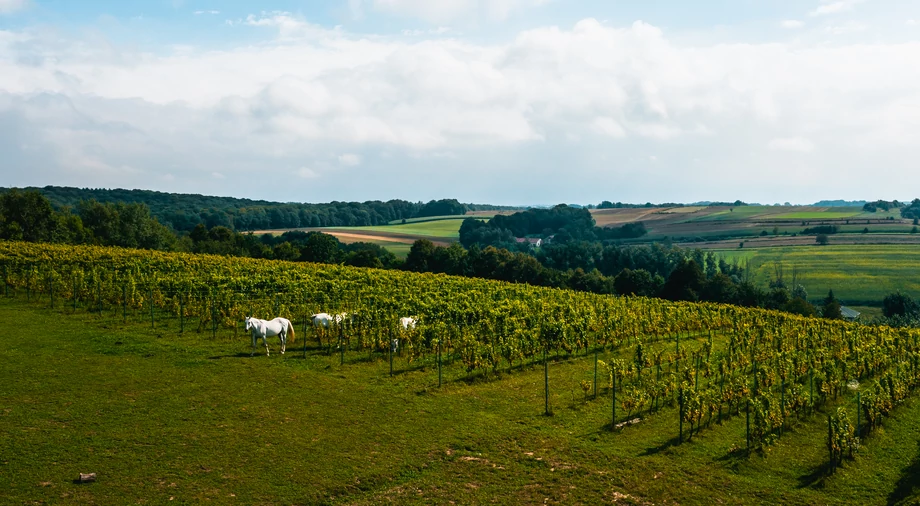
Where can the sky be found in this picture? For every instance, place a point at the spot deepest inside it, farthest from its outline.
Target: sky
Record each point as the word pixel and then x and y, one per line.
pixel 514 102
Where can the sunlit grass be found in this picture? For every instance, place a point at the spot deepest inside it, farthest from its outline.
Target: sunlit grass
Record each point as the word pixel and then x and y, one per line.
pixel 856 273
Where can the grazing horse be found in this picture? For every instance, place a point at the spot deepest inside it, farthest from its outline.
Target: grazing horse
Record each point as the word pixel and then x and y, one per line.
pixel 326 320
pixel 406 322
pixel 322 319
pixel 268 328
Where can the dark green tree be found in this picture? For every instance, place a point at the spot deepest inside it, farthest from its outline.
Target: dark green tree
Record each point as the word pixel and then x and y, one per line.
pixel 900 304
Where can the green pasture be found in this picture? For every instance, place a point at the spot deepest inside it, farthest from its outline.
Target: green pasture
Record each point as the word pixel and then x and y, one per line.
pixel 446 229
pixel 185 419
pixel 399 249
pixel 441 218
pixel 858 274
pixel 784 213
pixel 736 213
pixel 835 214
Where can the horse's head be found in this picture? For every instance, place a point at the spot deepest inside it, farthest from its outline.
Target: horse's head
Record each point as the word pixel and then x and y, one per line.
pixel 248 322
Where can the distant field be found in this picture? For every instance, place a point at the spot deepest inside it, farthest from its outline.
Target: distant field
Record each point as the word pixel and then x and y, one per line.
pixel 447 229
pixel 819 215
pixel 482 216
pixel 858 274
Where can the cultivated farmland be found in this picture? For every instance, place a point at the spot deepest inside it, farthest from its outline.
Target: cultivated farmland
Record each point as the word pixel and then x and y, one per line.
pixel 735 405
pixel 858 274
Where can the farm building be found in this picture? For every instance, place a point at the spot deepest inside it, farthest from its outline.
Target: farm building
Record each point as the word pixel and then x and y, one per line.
pixel 849 314
pixel 534 242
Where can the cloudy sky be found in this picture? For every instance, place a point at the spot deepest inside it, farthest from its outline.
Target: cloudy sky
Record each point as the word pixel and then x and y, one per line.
pixel 491 101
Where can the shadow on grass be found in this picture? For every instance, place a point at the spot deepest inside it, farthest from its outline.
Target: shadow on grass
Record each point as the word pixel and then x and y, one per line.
pixel 654 450
pixel 815 479
pixel 907 484
pixel 235 355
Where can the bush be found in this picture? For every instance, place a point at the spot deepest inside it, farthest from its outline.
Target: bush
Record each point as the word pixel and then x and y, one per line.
pixel 822 239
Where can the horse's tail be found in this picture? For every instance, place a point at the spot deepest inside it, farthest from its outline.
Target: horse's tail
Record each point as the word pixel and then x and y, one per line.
pixel 291 330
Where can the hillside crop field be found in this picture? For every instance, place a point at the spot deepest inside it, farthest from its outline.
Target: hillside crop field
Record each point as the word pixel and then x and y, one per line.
pixel 483 215
pixel 442 229
pixel 692 223
pixel 858 274
pixel 141 373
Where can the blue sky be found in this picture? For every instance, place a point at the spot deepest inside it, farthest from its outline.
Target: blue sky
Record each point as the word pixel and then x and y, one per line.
pixel 503 101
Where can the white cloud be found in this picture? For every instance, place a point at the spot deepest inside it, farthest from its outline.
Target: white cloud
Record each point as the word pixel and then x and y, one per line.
pixel 7 6
pixel 511 110
pixel 792 24
pixel 446 10
pixel 846 28
pixel 198 13
pixel 610 127
pixel 218 175
pixel 835 7
pixel 911 22
pixel 795 144
pixel 307 173
pixel 350 160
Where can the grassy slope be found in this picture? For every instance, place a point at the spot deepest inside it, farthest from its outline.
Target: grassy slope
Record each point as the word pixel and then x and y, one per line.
pixel 461 217
pixel 449 229
pixel 860 273
pixel 162 416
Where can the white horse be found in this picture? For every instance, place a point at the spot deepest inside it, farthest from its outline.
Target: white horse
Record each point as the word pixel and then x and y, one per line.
pixel 326 320
pixel 268 328
pixel 322 319
pixel 406 322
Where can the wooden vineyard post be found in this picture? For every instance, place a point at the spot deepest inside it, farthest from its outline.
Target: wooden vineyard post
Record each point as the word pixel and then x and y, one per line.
pixel 782 406
pixel 305 330
pixel 680 415
pixel 545 384
pixel 811 389
pixel 595 367
pixel 439 362
pixel 613 410
pixel 150 301
pixel 696 380
pixel 858 413
pixel 747 424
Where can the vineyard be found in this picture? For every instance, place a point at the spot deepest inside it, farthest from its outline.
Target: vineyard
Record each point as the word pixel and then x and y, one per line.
pixel 698 363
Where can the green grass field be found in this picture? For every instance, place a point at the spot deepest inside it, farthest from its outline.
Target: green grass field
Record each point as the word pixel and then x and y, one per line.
pixel 442 218
pixel 858 274
pixel 784 213
pixel 186 418
pixel 446 229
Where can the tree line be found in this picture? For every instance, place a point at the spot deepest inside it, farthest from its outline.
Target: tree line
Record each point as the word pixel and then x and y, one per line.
pixel 183 212
pixel 576 259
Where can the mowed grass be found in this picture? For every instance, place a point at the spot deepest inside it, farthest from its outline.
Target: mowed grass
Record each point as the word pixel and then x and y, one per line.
pixel 782 213
pixel 444 229
pixel 858 274
pixel 185 418
pixel 442 218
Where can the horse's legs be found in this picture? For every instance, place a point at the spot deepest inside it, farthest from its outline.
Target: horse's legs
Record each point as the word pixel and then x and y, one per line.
pixel 283 337
pixel 265 342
